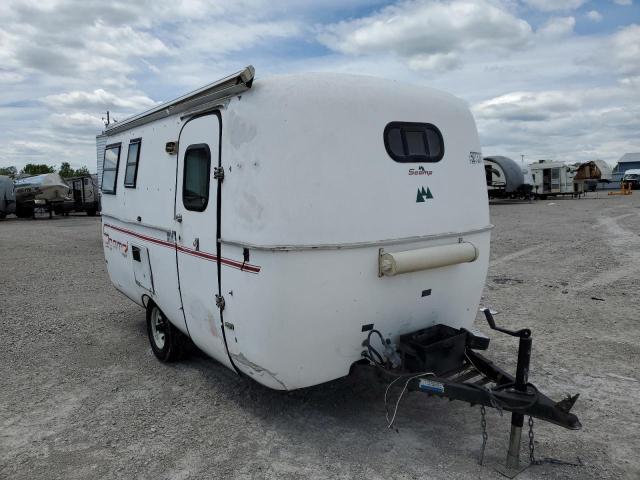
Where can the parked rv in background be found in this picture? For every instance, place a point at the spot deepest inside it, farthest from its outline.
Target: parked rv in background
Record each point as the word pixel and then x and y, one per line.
pixel 7 196
pixel 85 196
pixel 558 178
pixel 553 178
pixel 40 192
pixel 505 178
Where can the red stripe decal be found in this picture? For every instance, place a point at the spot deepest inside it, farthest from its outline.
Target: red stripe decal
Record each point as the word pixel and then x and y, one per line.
pixel 245 267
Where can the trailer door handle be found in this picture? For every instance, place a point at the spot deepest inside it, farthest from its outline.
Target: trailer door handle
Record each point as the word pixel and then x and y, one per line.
pixel 196 244
pixel 178 218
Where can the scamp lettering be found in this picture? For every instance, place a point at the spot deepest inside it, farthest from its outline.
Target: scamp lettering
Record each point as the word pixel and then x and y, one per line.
pixel 420 171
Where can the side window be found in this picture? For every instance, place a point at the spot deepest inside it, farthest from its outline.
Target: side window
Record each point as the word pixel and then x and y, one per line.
pixel 131 172
pixel 195 180
pixel 110 168
pixel 408 142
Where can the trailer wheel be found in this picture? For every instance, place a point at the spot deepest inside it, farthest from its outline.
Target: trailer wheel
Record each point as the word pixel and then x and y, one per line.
pixel 167 342
pixel 91 212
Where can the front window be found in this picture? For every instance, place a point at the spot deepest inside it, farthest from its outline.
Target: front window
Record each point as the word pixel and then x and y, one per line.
pixel 131 172
pixel 110 168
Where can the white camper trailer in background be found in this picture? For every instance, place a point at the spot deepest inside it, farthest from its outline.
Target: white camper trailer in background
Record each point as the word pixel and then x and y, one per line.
pixel 84 196
pixel 554 178
pixel 294 227
pixel 7 196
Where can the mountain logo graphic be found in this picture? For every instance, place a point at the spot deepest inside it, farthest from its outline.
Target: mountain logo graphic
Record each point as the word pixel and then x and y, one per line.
pixel 423 195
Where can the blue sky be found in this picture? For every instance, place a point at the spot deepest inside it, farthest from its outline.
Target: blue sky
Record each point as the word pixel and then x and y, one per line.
pixel 556 79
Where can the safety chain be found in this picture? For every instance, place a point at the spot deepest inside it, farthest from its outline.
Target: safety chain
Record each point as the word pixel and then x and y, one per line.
pixel 532 448
pixel 483 425
pixel 547 460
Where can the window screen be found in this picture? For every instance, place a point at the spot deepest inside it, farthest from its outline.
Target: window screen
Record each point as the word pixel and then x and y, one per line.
pixel 195 181
pixel 413 142
pixel 110 168
pixel 131 172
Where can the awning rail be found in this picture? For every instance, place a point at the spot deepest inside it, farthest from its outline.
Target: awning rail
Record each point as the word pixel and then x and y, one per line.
pixel 219 90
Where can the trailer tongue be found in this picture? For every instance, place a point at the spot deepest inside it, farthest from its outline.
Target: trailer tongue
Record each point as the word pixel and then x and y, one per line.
pixel 443 362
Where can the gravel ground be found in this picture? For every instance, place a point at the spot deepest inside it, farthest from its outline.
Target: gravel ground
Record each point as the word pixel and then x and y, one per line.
pixel 83 397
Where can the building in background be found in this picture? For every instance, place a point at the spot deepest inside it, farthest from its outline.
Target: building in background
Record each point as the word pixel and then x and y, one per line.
pixel 627 162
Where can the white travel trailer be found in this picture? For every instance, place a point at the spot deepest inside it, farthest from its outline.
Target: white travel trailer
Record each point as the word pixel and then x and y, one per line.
pixel 554 178
pixel 319 177
pixel 84 196
pixel 280 224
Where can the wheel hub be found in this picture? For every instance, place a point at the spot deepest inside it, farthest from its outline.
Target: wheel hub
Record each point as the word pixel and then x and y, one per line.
pixel 158 324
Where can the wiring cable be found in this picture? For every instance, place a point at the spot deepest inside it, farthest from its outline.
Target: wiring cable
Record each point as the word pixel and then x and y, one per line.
pixel 404 389
pixel 372 354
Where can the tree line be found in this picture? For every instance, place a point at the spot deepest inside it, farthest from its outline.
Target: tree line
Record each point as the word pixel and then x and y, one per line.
pixel 65 170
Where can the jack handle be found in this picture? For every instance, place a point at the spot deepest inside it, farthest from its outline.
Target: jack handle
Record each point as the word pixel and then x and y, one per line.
pixel 522 333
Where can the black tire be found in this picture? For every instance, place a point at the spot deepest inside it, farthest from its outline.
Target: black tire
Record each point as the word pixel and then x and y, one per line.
pixel 24 212
pixel 174 343
pixel 91 212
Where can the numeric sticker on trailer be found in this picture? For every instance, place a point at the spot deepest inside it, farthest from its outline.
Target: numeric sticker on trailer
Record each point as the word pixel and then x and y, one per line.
pixel 475 158
pixel 431 386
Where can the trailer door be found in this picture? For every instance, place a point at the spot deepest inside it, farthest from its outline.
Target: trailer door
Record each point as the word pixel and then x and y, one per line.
pixel 196 218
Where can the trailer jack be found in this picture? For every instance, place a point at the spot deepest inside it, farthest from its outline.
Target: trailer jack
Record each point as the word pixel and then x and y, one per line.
pixel 458 372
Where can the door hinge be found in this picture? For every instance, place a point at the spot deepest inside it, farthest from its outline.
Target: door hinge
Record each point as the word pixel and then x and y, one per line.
pixel 220 302
pixel 218 173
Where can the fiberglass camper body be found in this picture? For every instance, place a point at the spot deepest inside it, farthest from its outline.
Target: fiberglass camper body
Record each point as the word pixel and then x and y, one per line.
pixel 321 189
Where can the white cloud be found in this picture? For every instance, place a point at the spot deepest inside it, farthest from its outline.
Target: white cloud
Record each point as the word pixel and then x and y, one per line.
pixel 429 34
pixel 98 99
pixel 594 16
pixel 555 5
pixel 557 27
pixel 570 125
pixel 223 37
pixel 76 121
pixel 623 2
pixel 527 106
pixel 625 50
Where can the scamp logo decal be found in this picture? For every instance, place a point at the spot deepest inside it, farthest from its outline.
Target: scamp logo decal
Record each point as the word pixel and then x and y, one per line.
pixel 423 195
pixel 112 244
pixel 420 171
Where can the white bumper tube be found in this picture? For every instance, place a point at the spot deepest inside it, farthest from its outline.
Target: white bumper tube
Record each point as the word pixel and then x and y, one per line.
pixel 391 264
